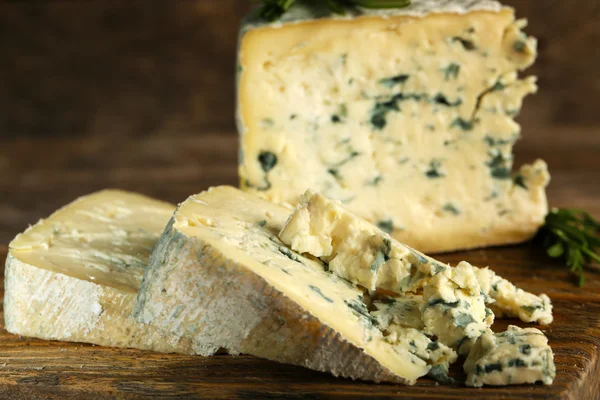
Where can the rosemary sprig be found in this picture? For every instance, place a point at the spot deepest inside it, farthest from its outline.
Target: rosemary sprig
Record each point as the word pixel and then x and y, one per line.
pixel 273 9
pixel 573 235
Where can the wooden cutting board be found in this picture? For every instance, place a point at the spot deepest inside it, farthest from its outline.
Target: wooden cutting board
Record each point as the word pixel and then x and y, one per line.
pixel 37 369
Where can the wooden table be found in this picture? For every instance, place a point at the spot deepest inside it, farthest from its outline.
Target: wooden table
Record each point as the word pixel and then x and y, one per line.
pixel 139 95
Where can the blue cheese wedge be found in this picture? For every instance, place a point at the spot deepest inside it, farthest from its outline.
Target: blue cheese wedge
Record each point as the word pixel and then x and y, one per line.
pixel 221 277
pixel 406 116
pixel 74 276
pixel 513 357
pixel 364 254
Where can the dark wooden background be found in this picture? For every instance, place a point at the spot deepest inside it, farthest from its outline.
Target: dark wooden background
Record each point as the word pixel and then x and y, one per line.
pixel 139 95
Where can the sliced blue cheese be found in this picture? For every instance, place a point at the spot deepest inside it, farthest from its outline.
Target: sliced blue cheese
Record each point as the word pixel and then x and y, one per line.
pixel 405 115
pixel 221 277
pixel 364 254
pixel 513 357
pixel 74 276
pixel 454 308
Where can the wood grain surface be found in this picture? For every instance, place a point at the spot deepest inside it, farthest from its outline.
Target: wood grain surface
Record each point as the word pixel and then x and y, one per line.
pixel 139 95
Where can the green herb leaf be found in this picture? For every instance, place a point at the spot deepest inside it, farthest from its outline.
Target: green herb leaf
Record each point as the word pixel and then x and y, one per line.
pixel 556 250
pixel 573 235
pixel 271 10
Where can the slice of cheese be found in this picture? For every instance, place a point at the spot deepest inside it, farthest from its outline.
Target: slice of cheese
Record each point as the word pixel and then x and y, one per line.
pixel 406 116
pixel 74 276
pixel 357 250
pixel 513 357
pixel 221 277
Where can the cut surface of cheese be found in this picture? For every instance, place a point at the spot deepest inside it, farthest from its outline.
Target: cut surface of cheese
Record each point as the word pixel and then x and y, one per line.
pixel 74 276
pixel 513 357
pixel 221 277
pixel 353 248
pixel 454 308
pixel 399 319
pixel 357 250
pixel 406 116
pixel 511 301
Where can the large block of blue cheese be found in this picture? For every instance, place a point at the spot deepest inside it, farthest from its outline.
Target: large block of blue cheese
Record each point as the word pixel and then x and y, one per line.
pixel 74 276
pixel 406 116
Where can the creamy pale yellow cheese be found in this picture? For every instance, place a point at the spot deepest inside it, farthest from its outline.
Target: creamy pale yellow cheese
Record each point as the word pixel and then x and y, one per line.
pixel 512 357
pixel 512 301
pixel 357 250
pixel 221 277
pixel 399 319
pixel 404 116
pixel 403 311
pixel 353 248
pixel 74 276
pixel 454 308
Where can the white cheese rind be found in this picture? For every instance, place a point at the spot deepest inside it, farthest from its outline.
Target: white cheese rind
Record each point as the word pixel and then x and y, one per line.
pixel 301 12
pixel 513 357
pixel 406 119
pixel 220 277
pixel 74 275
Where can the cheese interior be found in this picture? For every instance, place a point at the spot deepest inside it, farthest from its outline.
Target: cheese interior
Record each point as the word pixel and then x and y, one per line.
pixel 105 238
pixel 355 249
pixel 512 301
pixel 360 252
pixel 512 357
pixel 400 320
pixel 407 120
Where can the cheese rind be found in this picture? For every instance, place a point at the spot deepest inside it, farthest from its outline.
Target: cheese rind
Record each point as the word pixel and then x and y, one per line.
pixel 221 277
pixel 513 357
pixel 74 275
pixel 405 116
pixel 300 12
